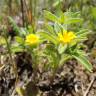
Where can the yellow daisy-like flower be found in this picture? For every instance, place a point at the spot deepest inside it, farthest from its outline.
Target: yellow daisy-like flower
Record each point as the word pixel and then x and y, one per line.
pixel 32 39
pixel 66 37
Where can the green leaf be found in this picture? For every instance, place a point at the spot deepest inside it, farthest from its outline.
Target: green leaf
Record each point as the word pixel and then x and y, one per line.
pixel 73 20
pixel 64 58
pixel 48 15
pixel 80 39
pixel 70 14
pixel 58 27
pixel 49 37
pixel 23 32
pixel 14 25
pixel 49 28
pixel 82 33
pixel 19 39
pixel 30 29
pixel 62 18
pixel 62 48
pixel 83 60
pixel 81 52
pixel 15 49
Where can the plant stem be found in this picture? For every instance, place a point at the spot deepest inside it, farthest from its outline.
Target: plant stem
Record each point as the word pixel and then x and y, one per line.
pixel 22 10
pixel 10 57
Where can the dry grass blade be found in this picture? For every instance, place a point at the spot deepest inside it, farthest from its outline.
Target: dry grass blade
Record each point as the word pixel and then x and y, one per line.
pixel 89 87
pixel 1 67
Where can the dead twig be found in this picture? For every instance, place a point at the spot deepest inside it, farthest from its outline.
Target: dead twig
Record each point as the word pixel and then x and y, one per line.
pixel 89 87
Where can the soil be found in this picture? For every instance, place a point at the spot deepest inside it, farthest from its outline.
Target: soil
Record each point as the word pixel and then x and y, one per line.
pixel 70 80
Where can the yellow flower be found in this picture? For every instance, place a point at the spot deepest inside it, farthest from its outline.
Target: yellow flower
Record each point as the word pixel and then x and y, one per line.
pixel 32 39
pixel 66 37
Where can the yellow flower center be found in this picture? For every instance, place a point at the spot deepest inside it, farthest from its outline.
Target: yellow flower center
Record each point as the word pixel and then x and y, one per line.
pixel 32 39
pixel 66 37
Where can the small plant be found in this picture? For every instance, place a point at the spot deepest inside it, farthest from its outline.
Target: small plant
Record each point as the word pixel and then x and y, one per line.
pixel 61 39
pixel 63 43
